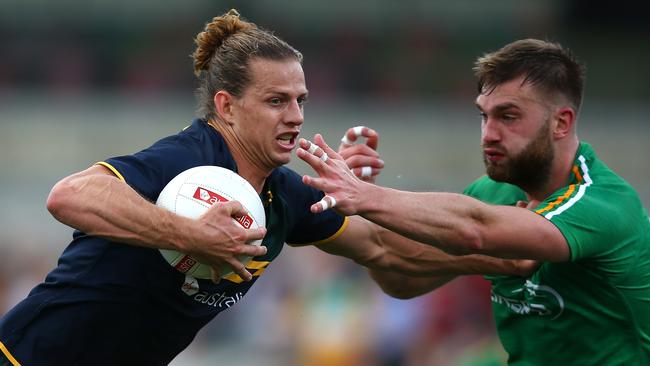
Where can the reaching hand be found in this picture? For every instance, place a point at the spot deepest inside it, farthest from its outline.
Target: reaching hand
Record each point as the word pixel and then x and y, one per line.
pixel 362 159
pixel 342 188
pixel 218 240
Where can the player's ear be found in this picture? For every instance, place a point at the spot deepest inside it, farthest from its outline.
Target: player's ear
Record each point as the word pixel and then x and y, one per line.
pixel 223 103
pixel 564 119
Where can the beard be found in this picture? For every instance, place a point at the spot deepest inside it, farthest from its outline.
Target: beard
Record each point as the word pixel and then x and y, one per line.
pixel 529 169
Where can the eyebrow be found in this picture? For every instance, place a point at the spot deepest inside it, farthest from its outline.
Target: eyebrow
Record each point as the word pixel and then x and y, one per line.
pixel 282 93
pixel 500 107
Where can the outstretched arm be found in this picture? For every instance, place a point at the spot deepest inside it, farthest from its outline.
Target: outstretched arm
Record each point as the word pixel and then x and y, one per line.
pixel 98 203
pixel 453 222
pixel 406 268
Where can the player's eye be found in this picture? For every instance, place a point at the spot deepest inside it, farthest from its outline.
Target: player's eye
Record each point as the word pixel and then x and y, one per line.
pixel 302 100
pixel 483 117
pixel 508 117
pixel 275 101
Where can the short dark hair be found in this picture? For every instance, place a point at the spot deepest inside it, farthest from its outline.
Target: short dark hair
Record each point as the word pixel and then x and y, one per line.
pixel 544 64
pixel 223 53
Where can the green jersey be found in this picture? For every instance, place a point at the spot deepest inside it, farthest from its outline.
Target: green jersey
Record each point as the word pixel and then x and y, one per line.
pixel 595 308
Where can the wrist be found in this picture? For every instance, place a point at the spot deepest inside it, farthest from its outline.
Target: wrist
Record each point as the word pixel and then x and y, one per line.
pixel 175 232
pixel 368 201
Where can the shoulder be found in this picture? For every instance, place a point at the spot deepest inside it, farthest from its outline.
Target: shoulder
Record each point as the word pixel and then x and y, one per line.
pixel 199 139
pixel 598 213
pixel 493 192
pixel 597 189
pixel 150 169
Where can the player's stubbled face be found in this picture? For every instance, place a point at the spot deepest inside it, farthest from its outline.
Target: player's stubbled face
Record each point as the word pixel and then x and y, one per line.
pixel 269 112
pixel 515 134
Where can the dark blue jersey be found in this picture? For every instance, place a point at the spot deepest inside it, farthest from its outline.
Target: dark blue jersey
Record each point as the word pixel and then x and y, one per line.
pixel 108 303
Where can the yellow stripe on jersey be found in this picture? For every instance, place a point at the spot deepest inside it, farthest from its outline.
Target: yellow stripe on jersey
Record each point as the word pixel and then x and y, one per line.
pixel 260 266
pixel 257 264
pixel 111 168
pixel 576 171
pixel 346 222
pixel 8 355
pixel 560 200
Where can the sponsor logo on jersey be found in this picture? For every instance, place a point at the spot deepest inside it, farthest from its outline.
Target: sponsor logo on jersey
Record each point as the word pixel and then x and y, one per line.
pixel 185 264
pixel 219 300
pixel 190 286
pixel 532 299
pixel 209 197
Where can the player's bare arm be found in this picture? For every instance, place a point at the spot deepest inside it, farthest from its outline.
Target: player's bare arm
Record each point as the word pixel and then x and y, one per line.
pixel 453 222
pixel 381 249
pixel 98 203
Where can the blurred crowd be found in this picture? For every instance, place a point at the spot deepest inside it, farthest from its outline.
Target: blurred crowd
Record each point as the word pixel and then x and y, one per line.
pixel 385 52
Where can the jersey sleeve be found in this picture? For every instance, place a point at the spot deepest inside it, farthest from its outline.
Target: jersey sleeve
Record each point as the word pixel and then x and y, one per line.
pixel 149 170
pixel 308 228
pixel 593 220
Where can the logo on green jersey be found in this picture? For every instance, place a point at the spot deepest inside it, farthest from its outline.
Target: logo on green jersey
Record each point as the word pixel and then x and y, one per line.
pixel 532 299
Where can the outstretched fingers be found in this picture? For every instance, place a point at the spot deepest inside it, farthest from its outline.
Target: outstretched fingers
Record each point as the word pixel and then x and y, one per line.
pixel 324 204
pixel 352 134
pixel 316 156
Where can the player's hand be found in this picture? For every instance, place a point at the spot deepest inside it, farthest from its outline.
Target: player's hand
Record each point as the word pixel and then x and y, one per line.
pixel 218 240
pixel 526 267
pixel 342 188
pixel 362 158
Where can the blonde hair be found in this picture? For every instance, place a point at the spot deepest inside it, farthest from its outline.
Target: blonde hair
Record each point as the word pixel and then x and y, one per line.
pixel 223 53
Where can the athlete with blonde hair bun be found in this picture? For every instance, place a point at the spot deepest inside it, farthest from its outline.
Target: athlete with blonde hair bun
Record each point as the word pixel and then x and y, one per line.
pixel 114 300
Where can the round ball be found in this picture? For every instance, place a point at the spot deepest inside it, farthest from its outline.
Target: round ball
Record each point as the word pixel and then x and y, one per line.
pixel 193 192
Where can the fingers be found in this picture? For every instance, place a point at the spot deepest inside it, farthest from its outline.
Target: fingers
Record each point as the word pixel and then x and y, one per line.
pixel 317 151
pixel 314 161
pixel 234 208
pixel 254 234
pixel 312 149
pixel 251 250
pixel 359 149
pixel 359 161
pixel 352 134
pixel 320 141
pixel 233 264
pixel 366 172
pixel 326 203
pixel 317 183
pixel 239 269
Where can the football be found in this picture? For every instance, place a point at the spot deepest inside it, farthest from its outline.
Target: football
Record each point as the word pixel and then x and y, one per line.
pixel 193 192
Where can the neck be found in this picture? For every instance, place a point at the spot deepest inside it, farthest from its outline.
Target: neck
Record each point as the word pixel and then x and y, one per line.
pixel 247 167
pixel 560 171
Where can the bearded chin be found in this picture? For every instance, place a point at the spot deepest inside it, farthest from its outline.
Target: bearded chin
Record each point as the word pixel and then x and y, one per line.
pixel 530 169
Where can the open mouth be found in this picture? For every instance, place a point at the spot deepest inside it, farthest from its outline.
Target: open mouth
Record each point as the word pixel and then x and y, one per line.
pixel 288 139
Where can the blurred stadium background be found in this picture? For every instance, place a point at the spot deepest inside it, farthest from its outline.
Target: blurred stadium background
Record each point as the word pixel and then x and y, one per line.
pixel 81 81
